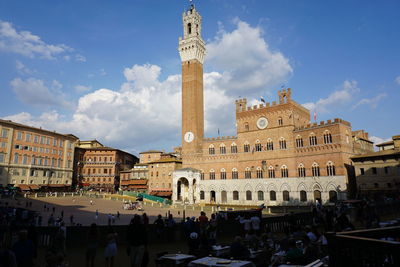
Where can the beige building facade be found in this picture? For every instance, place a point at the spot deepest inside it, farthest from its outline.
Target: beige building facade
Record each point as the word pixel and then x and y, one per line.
pixel 136 178
pixel 33 158
pixel 277 157
pixel 99 167
pixel 160 175
pixel 378 173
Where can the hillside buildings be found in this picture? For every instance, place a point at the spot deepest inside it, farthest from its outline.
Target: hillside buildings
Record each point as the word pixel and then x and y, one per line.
pixel 277 156
pixel 32 158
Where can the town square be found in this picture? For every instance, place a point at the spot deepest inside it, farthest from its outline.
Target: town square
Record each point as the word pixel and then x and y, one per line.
pixel 199 133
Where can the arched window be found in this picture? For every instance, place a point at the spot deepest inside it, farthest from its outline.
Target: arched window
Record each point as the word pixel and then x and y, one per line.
pixel 258 146
pixel 301 170
pixel 189 28
pixel 248 195
pixel 327 137
pixel 202 195
pixel 260 195
pixel 270 144
pixel 212 174
pixel 271 172
pixel 223 174
pixel 313 139
pixel 284 171
pixel 303 196
pixel 282 143
pixel 315 170
pixel 222 149
pixel 246 126
pixel 332 196
pixel 235 195
pixel 299 141
pixel 233 148
pixel 211 150
pixel 285 195
pixel 246 147
pixel 235 173
pixel 272 195
pixel 201 175
pixel 280 121
pixel 259 173
pixel 330 169
pixel 247 173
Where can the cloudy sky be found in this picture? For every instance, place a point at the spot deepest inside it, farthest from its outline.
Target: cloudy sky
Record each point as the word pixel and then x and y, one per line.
pixel 110 70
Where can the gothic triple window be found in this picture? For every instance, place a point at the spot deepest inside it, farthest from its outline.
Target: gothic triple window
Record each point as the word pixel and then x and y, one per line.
pixel 315 170
pixel 246 147
pixel 282 143
pixel 301 170
pixel 258 146
pixel 299 141
pixel 259 173
pixel 327 137
pixel 211 150
pixel 313 140
pixel 233 148
pixel 222 149
pixel 235 173
pixel 330 169
pixel 284 172
pixel 247 173
pixel 271 172
pixel 223 174
pixel 212 174
pixel 270 144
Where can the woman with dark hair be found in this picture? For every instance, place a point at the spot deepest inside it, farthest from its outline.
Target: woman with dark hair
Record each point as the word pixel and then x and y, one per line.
pixel 92 244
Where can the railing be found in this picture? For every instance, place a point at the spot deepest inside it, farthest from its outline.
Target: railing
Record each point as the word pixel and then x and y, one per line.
pixel 364 248
pixel 286 222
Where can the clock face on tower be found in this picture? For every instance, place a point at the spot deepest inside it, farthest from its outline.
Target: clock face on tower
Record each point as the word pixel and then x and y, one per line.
pixel 262 123
pixel 189 136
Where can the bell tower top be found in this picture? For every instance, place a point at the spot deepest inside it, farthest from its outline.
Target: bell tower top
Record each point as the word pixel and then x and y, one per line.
pixel 191 46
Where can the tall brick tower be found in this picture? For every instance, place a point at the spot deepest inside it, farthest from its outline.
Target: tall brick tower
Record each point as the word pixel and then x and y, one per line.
pixel 192 51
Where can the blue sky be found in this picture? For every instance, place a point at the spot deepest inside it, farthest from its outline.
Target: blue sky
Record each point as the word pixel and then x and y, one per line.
pixel 110 69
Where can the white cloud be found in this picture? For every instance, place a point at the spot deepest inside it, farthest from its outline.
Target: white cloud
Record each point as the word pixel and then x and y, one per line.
pixel 35 92
pixel 103 72
pixel 22 69
pixel 82 88
pixel 28 44
pixel 247 62
pixel 397 80
pixel 372 102
pixel 336 99
pixel 80 58
pixel 146 111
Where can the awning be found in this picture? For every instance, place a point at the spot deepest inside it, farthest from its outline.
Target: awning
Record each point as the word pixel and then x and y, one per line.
pixel 57 185
pixel 134 182
pixel 158 193
pixel 24 187
pixel 34 186
pixel 137 186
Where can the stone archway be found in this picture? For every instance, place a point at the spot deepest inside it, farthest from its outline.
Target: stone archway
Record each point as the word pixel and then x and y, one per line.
pixel 317 196
pixel 182 189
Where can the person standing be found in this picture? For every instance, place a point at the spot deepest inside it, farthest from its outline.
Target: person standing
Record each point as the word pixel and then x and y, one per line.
pixel 92 244
pixel 111 248
pixel 159 226
pixel 255 223
pixel 137 240
pixel 203 223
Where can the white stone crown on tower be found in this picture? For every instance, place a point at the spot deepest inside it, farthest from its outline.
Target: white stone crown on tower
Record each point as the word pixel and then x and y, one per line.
pixel 191 46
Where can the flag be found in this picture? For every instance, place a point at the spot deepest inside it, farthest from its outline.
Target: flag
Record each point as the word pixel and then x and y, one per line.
pixel 218 131
pixel 315 116
pixel 262 100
